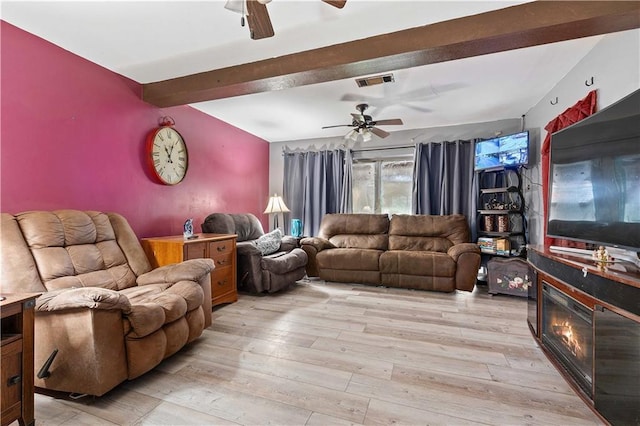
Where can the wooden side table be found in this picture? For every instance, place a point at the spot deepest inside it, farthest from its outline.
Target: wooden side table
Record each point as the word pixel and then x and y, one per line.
pixel 219 247
pixel 16 358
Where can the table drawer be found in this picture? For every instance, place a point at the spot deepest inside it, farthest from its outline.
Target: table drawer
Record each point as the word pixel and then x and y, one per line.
pixel 223 260
pixel 11 376
pixel 220 247
pixel 222 281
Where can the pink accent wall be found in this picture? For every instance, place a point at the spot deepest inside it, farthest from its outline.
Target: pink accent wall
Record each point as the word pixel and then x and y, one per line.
pixel 73 136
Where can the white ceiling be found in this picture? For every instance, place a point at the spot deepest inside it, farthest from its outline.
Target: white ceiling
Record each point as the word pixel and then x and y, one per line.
pixel 149 41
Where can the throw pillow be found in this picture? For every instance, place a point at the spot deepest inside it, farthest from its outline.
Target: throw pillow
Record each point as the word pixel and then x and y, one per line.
pixel 269 242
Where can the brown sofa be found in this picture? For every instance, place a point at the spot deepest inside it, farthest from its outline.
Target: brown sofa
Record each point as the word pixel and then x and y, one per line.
pixel 408 251
pixel 109 315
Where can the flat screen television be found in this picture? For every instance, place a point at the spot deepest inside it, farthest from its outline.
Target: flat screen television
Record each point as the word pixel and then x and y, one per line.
pixel 503 151
pixel 594 193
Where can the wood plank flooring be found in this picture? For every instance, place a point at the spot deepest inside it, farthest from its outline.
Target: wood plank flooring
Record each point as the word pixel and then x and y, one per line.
pixel 340 354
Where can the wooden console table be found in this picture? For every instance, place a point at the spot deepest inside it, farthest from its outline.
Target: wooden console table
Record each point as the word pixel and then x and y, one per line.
pixel 607 297
pixel 16 358
pixel 219 247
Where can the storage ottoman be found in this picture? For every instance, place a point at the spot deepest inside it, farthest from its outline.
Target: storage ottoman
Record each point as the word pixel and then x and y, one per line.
pixel 509 276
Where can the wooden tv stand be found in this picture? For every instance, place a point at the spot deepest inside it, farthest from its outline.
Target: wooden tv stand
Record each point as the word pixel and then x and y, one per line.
pixel 611 293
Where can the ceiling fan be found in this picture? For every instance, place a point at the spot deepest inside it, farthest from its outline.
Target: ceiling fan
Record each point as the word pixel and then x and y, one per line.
pixel 364 125
pixel 258 16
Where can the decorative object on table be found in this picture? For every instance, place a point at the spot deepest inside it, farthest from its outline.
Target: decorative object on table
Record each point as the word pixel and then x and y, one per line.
pixel 167 155
pixel 188 229
pixel 503 223
pixel 601 256
pixel 275 206
pixel 296 228
pixel 489 223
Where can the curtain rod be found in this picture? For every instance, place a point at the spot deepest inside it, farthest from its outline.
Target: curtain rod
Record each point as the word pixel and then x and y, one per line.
pixel 384 148
pixel 285 151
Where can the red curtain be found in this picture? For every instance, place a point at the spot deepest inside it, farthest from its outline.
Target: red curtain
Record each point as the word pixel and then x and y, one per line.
pixel 580 110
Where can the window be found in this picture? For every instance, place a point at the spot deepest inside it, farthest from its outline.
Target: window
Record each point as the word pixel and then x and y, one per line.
pixel 382 186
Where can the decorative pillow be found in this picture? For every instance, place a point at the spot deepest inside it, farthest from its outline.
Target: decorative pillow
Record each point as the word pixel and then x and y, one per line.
pixel 270 242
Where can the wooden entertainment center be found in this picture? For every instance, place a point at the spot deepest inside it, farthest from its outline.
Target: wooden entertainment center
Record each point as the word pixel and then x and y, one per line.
pixel 586 318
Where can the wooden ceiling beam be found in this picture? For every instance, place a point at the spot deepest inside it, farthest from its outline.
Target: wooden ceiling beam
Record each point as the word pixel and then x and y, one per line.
pixel 525 25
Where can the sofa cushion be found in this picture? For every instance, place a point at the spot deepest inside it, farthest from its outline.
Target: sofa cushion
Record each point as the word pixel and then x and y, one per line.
pixel 427 232
pixel 245 225
pixel 284 262
pixel 356 230
pixel 154 305
pixel 349 259
pixel 75 249
pixel 406 262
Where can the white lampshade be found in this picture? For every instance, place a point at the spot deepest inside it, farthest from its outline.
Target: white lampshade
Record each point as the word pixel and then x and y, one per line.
pixel 353 135
pixel 366 135
pixel 276 205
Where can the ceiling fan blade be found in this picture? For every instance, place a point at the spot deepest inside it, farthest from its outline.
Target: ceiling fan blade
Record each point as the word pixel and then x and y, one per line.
pixel 379 132
pixel 338 125
pixel 259 20
pixel 393 121
pixel 336 3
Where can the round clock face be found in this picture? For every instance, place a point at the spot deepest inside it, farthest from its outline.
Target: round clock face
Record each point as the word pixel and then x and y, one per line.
pixel 167 155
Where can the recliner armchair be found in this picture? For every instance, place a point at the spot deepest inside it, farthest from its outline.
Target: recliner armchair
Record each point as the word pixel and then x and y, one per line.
pixel 258 272
pixel 110 316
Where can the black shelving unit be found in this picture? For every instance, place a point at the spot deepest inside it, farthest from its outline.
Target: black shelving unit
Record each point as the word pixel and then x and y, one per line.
pixel 501 209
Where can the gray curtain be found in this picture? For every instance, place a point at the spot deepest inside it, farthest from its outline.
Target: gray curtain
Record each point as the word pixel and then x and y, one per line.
pixel 316 183
pixel 444 180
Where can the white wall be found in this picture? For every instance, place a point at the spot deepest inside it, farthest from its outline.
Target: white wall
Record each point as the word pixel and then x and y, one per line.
pixel 614 64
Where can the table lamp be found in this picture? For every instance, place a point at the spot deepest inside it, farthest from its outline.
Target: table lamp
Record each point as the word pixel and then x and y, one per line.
pixel 276 205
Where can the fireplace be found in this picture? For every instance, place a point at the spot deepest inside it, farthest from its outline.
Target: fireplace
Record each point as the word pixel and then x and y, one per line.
pixel 587 320
pixel 567 332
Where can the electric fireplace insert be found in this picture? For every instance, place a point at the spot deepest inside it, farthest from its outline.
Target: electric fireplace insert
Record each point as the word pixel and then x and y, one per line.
pixel 567 332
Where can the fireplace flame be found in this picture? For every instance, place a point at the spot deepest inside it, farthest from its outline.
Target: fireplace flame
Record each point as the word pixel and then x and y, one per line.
pixel 564 331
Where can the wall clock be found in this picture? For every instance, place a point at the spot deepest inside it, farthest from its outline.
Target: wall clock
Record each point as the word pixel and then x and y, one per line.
pixel 167 154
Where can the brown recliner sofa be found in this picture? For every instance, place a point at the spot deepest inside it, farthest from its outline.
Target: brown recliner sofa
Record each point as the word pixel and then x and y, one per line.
pixel 409 251
pixel 259 272
pixel 109 315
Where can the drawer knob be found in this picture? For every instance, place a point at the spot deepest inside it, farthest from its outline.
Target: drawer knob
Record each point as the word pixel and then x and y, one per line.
pixel 14 380
pixel 222 248
pixel 221 283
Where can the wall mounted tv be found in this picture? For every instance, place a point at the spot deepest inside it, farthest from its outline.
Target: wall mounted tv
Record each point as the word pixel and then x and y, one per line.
pixel 502 151
pixel 594 193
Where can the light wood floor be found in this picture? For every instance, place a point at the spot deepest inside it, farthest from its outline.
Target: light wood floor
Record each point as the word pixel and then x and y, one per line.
pixel 339 354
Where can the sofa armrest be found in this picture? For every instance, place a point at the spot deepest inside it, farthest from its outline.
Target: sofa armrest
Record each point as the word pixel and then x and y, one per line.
pixel 467 258
pixel 312 246
pixel 84 297
pixel 318 243
pixel 189 270
pixel 459 249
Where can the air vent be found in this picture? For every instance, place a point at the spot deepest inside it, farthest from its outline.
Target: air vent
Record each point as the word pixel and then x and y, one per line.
pixel 377 79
